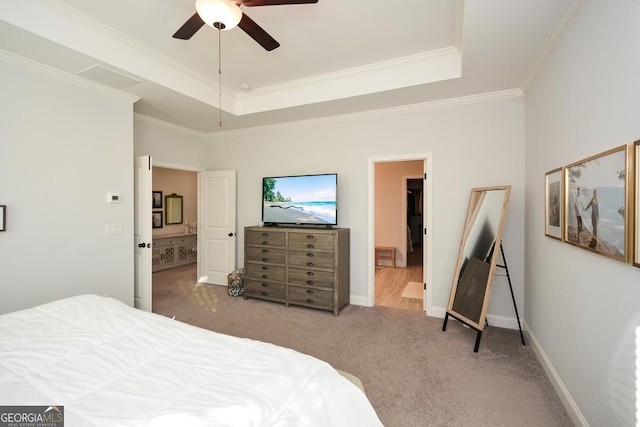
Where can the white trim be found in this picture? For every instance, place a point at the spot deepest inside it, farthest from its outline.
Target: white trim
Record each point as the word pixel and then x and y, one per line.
pixel 418 69
pixel 564 395
pixel 38 67
pixel 567 19
pixel 177 167
pixel 427 245
pixel 499 321
pixel 170 126
pixel 423 106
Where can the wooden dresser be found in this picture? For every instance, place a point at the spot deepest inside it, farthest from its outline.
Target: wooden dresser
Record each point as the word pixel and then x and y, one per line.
pixel 301 266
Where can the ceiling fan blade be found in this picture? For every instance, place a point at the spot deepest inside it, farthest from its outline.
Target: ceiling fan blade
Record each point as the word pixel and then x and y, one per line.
pixel 189 28
pixel 250 3
pixel 256 32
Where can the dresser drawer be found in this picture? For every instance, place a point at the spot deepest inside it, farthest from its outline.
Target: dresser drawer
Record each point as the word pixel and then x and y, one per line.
pixel 271 255
pixel 259 289
pixel 302 295
pixel 264 272
pixel 311 277
pixel 311 241
pixel 265 237
pixel 311 259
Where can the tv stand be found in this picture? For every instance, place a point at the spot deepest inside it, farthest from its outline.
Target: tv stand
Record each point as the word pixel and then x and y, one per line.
pixel 298 266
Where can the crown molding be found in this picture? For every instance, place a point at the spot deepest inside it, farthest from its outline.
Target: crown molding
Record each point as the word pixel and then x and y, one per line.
pixel 412 70
pixel 431 105
pixel 569 15
pixel 169 126
pixel 29 64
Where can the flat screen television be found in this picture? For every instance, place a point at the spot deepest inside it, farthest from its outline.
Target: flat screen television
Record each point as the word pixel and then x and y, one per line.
pixel 302 200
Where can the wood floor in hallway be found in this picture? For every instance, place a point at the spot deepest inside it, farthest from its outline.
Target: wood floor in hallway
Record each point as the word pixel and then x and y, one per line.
pixel 390 283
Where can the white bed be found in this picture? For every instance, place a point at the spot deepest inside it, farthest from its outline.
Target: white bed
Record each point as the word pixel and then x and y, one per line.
pixel 111 365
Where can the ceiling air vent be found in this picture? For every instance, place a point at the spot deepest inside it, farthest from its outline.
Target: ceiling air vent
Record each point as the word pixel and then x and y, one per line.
pixel 107 77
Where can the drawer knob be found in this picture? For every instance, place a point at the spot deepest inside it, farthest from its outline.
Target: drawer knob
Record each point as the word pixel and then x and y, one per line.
pixel 309 273
pixel 310 246
pixel 265 234
pixel 309 300
pixel 264 267
pixel 264 276
pixel 309 282
pixel 310 236
pixel 310 254
pixel 309 291
pixel 265 259
pixel 265 251
pixel 265 294
pixel 264 242
pixel 309 264
pixel 265 285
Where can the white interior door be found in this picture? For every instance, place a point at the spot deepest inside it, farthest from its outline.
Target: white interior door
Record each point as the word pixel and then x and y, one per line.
pixel 142 233
pixel 216 226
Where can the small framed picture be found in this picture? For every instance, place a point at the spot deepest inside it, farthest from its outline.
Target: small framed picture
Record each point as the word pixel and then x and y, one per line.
pixel 553 204
pixel 156 197
pixel 3 217
pixel 636 220
pixel 156 219
pixel 596 204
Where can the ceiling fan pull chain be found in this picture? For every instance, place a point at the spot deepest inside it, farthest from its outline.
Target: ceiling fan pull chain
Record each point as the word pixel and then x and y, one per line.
pixel 219 78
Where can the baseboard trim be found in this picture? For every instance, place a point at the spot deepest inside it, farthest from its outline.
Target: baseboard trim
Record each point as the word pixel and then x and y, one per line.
pixel 562 392
pixel 357 300
pixel 493 320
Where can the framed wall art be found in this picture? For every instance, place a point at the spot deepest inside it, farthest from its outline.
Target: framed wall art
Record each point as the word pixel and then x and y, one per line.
pixel 156 219
pixel 156 198
pixel 636 201
pixel 553 201
pixel 596 200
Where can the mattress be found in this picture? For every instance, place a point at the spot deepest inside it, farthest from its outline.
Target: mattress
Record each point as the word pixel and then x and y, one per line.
pixel 112 365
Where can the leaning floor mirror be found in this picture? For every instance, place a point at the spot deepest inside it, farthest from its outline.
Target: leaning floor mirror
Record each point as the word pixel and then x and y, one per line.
pixel 479 252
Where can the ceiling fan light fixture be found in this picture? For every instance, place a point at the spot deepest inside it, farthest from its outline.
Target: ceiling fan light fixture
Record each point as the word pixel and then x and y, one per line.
pixel 221 14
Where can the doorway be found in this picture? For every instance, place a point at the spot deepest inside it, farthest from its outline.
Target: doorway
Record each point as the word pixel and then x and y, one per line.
pixel 399 218
pixel 174 245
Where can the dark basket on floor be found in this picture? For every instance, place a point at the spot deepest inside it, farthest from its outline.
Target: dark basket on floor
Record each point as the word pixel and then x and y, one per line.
pixel 236 283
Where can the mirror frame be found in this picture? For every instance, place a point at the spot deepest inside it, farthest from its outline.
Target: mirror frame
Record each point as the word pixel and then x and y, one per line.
pixel 173 209
pixel 472 211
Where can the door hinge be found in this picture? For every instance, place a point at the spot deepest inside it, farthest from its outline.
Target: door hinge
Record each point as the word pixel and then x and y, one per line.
pixel 425 286
pixel 425 176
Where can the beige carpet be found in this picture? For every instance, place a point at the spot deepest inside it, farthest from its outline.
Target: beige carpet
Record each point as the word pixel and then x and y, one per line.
pixel 413 290
pixel 414 374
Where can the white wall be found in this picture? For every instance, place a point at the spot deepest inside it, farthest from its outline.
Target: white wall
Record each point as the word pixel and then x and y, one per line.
pixel 584 308
pixel 473 145
pixel 170 147
pixel 63 147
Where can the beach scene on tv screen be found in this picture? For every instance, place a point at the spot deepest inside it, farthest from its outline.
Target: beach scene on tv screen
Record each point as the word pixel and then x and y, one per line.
pixel 300 200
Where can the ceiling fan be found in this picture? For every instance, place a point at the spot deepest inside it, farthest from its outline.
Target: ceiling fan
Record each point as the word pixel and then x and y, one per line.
pixel 226 14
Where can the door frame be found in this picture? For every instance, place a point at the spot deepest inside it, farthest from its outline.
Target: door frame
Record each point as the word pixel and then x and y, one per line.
pixel 165 165
pixel 427 225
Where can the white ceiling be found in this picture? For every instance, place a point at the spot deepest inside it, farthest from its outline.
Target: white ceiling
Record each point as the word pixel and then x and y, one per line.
pixel 336 57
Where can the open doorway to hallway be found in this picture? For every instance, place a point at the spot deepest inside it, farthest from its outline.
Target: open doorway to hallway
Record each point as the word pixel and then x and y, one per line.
pixel 399 276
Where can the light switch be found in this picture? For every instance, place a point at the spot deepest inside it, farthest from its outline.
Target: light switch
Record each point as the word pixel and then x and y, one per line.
pixel 113 229
pixel 113 198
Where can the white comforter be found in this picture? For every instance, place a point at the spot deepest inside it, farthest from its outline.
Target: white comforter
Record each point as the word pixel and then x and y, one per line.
pixel 112 365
